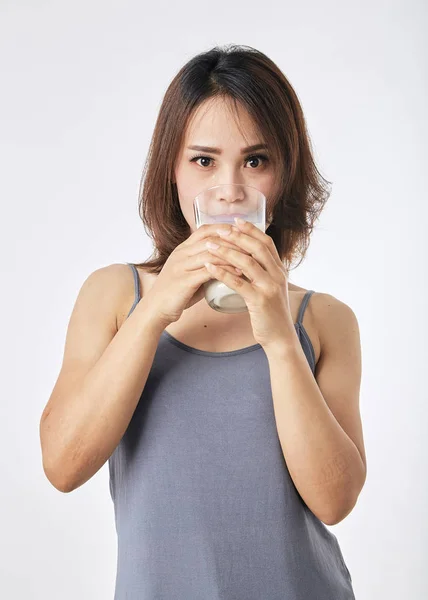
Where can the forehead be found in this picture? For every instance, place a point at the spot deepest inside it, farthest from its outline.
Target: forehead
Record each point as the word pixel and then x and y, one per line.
pixel 217 122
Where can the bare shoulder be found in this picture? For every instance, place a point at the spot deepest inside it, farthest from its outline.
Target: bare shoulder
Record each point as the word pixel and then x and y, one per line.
pixel 115 284
pixel 107 282
pixel 322 305
pixel 328 321
pixel 338 334
pixel 333 318
pixel 126 284
pixel 92 325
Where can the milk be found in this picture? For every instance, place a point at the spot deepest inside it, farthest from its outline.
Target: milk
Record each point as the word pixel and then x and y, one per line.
pixel 221 204
pixel 223 298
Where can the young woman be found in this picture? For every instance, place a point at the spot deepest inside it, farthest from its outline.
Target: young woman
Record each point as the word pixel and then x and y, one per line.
pixel 232 439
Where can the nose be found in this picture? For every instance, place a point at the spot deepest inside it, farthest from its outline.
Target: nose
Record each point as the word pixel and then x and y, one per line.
pixel 230 192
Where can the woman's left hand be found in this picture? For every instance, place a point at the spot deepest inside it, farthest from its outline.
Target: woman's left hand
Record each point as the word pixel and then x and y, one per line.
pixel 266 292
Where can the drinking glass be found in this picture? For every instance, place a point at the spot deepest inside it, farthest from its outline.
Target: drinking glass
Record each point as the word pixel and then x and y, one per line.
pixel 221 204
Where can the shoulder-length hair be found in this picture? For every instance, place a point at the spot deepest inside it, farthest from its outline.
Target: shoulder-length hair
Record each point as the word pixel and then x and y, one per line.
pixel 246 76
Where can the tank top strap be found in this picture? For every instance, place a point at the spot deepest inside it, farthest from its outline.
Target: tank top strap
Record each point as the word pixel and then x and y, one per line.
pixel 303 306
pixel 137 294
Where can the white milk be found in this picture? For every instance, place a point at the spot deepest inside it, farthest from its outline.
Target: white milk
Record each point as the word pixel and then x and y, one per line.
pixel 221 297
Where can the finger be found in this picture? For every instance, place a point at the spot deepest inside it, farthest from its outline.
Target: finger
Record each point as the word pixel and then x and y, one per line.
pixel 232 280
pixel 248 264
pixel 200 245
pixel 198 260
pixel 229 268
pixel 252 239
pixel 204 231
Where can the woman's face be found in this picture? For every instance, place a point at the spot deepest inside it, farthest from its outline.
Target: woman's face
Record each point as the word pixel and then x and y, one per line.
pixel 213 125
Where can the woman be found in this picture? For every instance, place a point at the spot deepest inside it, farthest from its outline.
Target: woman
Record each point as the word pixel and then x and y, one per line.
pixel 232 440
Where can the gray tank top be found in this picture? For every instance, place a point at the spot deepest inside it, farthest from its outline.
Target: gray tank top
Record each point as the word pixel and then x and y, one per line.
pixel 204 505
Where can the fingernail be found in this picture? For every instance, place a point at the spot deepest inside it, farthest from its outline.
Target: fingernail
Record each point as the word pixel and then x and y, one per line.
pixel 223 231
pixel 239 221
pixel 211 245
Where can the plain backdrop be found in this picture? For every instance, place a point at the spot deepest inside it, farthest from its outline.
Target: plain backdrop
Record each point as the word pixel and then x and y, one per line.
pixel 81 85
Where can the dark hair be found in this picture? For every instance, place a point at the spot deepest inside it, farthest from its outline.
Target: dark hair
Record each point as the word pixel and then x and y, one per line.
pixel 247 76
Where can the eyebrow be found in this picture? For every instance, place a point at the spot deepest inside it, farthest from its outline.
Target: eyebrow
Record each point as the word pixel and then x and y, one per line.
pixel 218 151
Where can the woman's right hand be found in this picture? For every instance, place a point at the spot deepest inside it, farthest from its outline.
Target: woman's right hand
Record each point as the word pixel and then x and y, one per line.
pixel 179 284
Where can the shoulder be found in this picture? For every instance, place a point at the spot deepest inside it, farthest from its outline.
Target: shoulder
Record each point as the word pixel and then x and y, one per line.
pixel 328 320
pixel 105 277
pixel 333 317
pixel 337 333
pixel 323 306
pixel 114 284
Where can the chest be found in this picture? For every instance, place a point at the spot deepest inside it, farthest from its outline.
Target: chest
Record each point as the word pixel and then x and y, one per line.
pixel 224 333
pixel 212 335
pixel 205 329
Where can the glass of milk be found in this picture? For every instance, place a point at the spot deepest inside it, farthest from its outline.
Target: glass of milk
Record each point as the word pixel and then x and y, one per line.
pixel 221 204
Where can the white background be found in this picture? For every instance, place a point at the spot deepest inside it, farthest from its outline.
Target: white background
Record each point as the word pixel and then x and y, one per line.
pixel 81 85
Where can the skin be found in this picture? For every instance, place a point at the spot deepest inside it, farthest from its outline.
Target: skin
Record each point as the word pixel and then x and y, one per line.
pixel 213 125
pixel 312 413
pixel 107 357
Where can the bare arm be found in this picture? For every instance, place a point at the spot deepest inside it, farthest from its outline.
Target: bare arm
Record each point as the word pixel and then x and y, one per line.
pixel 318 418
pixel 103 374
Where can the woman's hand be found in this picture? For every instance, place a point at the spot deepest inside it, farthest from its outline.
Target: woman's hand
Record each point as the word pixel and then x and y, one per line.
pixel 265 285
pixel 180 284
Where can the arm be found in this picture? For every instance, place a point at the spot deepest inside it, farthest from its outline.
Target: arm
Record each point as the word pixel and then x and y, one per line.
pixel 101 380
pixel 318 418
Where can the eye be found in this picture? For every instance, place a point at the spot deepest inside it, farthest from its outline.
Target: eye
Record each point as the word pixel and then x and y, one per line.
pixel 195 158
pixel 260 157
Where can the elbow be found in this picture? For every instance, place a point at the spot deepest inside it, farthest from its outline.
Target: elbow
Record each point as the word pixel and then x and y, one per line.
pixel 59 483
pixel 336 514
pixel 337 517
pixel 343 509
pixel 56 476
pixel 53 465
